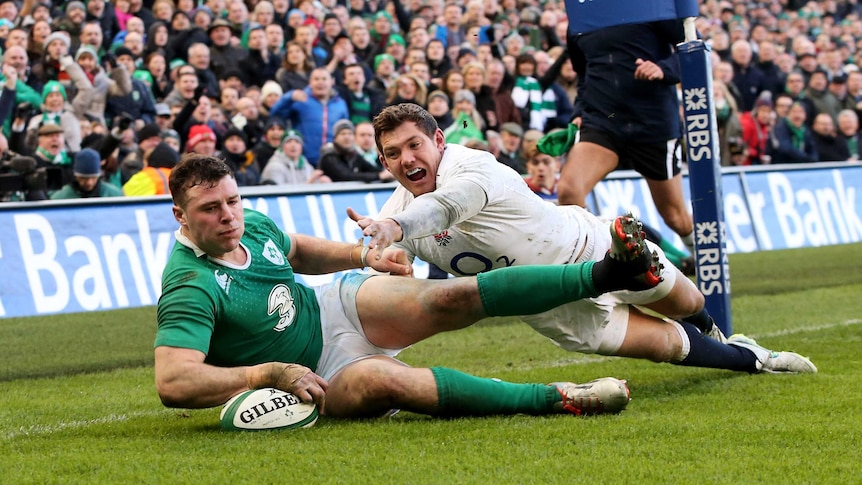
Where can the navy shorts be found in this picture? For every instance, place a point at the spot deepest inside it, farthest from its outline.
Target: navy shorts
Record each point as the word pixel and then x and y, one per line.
pixel 655 161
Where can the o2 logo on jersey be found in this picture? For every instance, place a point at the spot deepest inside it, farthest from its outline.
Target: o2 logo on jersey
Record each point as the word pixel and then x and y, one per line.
pixel 471 264
pixel 281 301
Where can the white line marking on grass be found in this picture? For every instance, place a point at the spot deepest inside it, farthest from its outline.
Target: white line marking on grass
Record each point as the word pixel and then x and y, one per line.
pixel 42 429
pixel 813 328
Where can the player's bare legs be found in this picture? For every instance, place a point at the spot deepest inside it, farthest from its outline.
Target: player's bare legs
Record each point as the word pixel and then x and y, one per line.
pixel 648 337
pixel 368 388
pixel 670 202
pixel 376 385
pixel 586 165
pixel 683 300
pixel 397 312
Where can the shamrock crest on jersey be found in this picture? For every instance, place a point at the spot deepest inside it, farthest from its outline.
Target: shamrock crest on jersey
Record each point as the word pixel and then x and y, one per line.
pixel 443 239
pixel 281 301
pixel 223 280
pixel 272 253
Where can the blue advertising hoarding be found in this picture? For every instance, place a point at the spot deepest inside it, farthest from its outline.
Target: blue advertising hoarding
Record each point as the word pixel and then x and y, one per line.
pixel 63 257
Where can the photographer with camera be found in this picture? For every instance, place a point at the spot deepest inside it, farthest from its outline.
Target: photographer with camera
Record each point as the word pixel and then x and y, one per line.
pixel 88 173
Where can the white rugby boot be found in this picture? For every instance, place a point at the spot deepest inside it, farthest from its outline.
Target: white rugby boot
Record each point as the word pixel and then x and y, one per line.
pixel 600 396
pixel 771 361
pixel 716 334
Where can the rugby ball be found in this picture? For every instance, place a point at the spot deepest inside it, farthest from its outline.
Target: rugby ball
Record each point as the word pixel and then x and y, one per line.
pixel 267 408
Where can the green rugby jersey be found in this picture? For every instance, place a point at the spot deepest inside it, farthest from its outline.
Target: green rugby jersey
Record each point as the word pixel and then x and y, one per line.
pixel 240 315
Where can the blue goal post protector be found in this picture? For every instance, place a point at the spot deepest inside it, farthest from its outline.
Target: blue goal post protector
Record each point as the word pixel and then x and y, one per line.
pixel 704 164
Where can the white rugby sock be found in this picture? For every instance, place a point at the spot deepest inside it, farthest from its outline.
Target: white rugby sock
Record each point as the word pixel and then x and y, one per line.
pixel 685 348
pixel 688 240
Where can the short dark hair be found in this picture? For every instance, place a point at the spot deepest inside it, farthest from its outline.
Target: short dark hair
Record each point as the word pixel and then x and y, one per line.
pixel 193 170
pixel 394 116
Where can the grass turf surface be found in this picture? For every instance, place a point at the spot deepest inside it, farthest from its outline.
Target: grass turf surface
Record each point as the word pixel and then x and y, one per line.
pixel 79 404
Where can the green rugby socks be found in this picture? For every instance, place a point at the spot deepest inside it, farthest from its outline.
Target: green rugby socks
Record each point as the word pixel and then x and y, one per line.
pixel 526 290
pixel 461 394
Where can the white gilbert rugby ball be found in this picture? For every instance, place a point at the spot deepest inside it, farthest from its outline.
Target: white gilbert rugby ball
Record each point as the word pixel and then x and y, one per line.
pixel 267 408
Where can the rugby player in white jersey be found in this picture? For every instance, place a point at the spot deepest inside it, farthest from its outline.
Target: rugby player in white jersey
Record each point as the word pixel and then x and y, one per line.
pixel 463 211
pixel 233 317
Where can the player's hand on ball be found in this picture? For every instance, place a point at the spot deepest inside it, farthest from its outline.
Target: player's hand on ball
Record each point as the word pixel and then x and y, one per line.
pixel 293 378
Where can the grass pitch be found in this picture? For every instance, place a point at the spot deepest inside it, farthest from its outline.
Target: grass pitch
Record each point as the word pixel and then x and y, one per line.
pixel 79 405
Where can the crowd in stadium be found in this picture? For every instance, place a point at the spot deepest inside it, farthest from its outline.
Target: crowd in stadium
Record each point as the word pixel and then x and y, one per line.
pixel 112 94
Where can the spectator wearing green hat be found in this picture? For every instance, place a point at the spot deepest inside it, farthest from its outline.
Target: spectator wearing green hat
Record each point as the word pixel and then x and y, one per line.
pixel 56 111
pixel 397 48
pixel 93 84
pixel 381 29
pixel 385 73
pixel 289 166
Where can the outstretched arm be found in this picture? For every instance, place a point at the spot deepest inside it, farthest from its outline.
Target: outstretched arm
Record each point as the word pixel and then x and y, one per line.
pixel 184 380
pixel 428 214
pixel 312 255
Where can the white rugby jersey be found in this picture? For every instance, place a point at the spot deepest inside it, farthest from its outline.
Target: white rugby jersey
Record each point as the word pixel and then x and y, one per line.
pixel 483 216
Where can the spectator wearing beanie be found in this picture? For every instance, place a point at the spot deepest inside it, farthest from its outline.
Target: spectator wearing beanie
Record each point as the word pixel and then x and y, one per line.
pixel 438 106
pixel 202 140
pixel 47 67
pixel 54 111
pixel 87 169
pixel 71 22
pixel 239 158
pixel 270 93
pixel 94 84
pixel 342 163
pixel 153 179
pixel 273 132
pixel 288 166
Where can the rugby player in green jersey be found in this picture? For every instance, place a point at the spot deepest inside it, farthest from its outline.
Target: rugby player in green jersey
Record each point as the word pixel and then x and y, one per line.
pixel 232 316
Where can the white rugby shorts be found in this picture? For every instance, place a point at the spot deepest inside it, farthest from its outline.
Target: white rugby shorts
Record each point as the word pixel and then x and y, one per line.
pixel 598 325
pixel 344 342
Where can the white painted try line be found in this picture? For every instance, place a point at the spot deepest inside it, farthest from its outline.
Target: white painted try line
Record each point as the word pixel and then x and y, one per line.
pixel 579 360
pixel 814 328
pixel 42 429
